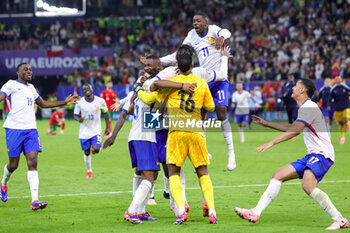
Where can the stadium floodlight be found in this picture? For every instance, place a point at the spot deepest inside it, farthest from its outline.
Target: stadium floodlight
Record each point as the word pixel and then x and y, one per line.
pixel 44 8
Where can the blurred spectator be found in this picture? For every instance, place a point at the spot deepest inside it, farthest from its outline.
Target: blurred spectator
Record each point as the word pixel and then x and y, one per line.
pixel 270 39
pixel 289 102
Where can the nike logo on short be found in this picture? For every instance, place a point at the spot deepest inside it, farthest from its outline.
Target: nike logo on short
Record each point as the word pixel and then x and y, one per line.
pixel 220 101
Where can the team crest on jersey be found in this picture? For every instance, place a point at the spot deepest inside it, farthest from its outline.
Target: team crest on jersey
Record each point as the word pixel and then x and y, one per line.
pixel 211 39
pixel 97 107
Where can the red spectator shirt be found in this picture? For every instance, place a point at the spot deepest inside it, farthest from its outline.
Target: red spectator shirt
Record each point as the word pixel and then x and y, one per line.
pixel 55 116
pixel 109 97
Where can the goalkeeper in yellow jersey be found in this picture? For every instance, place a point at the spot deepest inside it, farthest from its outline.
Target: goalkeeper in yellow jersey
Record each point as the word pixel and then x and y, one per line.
pixel 186 136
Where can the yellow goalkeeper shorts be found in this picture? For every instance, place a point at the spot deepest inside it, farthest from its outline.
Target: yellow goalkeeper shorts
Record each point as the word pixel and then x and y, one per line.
pixel 182 144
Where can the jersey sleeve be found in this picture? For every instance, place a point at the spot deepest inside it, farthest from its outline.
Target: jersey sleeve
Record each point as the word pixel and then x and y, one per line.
pixel 102 94
pixel 77 109
pixel 103 103
pixel 221 32
pixel 207 75
pixel 127 103
pixel 234 98
pixel 35 93
pixel 169 59
pixel 208 102
pixel 147 85
pixel 162 94
pixel 221 74
pixel 306 115
pixel 7 89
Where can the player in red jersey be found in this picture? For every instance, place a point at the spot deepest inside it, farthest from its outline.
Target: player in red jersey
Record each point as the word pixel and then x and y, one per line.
pixel 110 96
pixel 57 120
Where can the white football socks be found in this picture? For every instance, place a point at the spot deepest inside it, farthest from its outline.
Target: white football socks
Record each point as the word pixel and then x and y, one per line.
pixel 87 160
pixel 140 195
pixel 241 133
pixel 269 194
pixel 136 180
pixel 227 132
pixel 142 208
pixel 152 192
pixel 325 202
pixel 33 180
pixel 166 184
pixel 6 177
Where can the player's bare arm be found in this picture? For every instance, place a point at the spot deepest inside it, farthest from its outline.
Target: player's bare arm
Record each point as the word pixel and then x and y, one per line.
pixel 106 116
pixel 51 104
pixel 276 126
pixel 295 129
pixel 109 142
pixel 169 84
pixel 219 42
pixel 78 118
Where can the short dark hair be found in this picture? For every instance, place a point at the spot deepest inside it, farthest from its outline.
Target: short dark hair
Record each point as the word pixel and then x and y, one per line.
pixel 203 14
pixel 153 57
pixel 309 85
pixel 21 64
pixel 185 49
pixel 184 62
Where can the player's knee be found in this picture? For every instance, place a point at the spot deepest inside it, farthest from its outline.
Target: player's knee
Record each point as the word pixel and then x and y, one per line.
pixel 11 167
pixel 221 116
pixel 32 164
pixel 155 175
pixel 277 176
pixel 307 188
pixel 96 150
pixel 201 171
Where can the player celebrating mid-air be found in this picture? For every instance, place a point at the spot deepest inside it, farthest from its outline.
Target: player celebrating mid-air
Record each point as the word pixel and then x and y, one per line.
pixel 312 168
pixel 207 41
pixel 340 101
pixel 88 112
pixel 110 96
pixel 171 72
pixel 57 120
pixel 186 141
pixel 21 132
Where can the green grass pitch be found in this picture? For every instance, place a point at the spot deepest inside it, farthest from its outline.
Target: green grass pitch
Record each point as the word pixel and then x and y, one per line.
pixel 76 204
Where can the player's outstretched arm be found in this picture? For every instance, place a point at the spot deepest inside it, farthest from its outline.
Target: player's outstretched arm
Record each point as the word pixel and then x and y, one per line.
pixel 170 84
pixel 51 104
pixel 276 126
pixel 169 59
pixel 147 98
pixel 109 142
pixel 295 129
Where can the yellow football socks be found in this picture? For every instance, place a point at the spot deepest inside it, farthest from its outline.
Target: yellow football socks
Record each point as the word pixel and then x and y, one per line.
pixel 176 190
pixel 207 188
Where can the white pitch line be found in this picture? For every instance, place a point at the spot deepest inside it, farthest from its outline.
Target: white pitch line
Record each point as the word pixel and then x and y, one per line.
pixel 159 190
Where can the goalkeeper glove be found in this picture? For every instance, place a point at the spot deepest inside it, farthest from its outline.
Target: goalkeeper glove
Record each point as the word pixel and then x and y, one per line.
pixel 137 87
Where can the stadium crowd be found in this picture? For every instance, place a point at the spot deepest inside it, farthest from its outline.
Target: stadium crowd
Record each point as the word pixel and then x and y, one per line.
pixel 271 39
